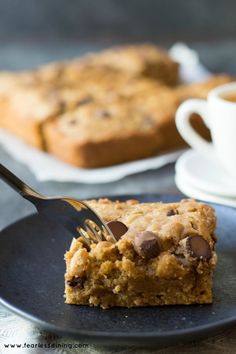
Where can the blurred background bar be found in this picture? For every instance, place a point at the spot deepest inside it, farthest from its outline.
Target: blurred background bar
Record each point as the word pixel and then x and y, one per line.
pixel 33 32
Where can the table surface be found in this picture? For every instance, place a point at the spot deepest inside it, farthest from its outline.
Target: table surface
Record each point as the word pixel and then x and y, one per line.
pixel 14 330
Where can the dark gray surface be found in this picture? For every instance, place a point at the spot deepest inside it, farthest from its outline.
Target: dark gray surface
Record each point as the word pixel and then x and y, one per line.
pixel 41 244
pixel 217 56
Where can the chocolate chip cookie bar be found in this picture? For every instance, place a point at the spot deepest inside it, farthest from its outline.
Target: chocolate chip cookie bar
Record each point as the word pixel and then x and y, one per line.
pixel 24 112
pixel 29 99
pixel 164 255
pixel 100 110
pixel 104 132
pixel 134 121
pixel 143 60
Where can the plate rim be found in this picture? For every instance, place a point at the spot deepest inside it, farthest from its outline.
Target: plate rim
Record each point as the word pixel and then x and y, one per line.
pixel 180 167
pixel 120 335
pixel 176 334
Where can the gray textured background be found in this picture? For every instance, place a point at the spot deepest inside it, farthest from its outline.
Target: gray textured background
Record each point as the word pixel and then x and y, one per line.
pixel 119 19
pixel 37 31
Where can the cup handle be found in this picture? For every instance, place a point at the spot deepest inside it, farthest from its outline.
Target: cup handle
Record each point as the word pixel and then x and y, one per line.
pixel 186 130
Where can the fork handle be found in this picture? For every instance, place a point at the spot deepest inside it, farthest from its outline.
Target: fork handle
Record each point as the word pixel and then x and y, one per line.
pixel 18 185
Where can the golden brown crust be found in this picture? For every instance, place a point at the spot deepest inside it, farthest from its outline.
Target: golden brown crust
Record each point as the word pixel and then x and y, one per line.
pixel 24 111
pixel 201 89
pixel 103 153
pixel 27 130
pixel 137 123
pixel 28 99
pixel 39 106
pixel 143 60
pixel 104 133
pixel 133 61
pixel 116 275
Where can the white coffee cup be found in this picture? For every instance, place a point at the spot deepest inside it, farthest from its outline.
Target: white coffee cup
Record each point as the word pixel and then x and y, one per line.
pixel 219 115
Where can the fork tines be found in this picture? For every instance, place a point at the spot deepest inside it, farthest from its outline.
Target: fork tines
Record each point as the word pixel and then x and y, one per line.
pixel 92 233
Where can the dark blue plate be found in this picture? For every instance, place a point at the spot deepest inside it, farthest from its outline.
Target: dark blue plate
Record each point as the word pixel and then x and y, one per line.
pixel 32 286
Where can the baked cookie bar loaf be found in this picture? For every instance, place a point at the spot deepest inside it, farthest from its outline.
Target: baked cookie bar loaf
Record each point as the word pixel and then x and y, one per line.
pixel 135 121
pixel 164 255
pixel 99 110
pixel 134 61
pixel 28 99
pixel 24 112
pixel 102 133
pixel 144 60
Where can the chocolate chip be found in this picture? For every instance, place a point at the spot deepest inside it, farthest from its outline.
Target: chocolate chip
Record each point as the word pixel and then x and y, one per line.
pixel 76 282
pixel 72 121
pixel 55 97
pixel 103 114
pixel 62 105
pixel 198 247
pixel 84 101
pixel 147 244
pixel 171 212
pixel 117 228
pixel 148 122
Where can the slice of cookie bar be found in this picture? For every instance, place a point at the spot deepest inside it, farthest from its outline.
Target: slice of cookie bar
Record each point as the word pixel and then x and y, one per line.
pixel 164 255
pixel 140 60
pixel 134 120
pixel 110 131
pixel 23 112
pixel 202 88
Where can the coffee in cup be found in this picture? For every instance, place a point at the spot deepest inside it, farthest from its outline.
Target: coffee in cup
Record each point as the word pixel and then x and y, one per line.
pixel 219 114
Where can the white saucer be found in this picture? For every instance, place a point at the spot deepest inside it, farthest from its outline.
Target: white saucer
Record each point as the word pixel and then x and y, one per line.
pixel 192 192
pixel 205 174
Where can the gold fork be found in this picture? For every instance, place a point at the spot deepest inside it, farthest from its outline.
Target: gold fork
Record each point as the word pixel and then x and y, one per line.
pixel 74 215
